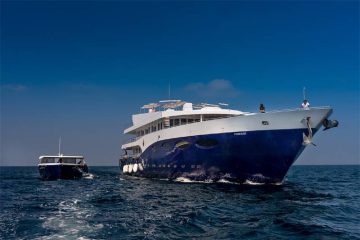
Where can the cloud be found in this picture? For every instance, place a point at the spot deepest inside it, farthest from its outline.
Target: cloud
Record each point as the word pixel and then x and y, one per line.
pixel 214 88
pixel 15 87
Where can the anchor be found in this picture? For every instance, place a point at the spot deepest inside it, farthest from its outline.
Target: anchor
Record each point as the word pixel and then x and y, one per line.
pixel 327 123
pixel 308 139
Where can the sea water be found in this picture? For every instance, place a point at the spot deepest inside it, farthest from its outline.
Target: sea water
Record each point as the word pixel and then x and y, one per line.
pixel 314 202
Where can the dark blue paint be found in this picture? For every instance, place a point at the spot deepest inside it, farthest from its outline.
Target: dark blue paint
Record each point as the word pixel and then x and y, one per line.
pixel 260 156
pixel 52 172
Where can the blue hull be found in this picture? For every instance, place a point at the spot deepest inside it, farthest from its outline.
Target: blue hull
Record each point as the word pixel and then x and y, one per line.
pixel 258 156
pixel 53 172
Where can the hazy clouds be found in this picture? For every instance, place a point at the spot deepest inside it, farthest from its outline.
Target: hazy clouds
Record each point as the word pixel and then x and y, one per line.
pixel 214 88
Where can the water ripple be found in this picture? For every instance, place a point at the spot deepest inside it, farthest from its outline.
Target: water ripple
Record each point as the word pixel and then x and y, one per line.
pixel 309 204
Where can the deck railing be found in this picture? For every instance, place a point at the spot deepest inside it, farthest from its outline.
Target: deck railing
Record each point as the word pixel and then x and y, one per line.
pixel 129 156
pixel 131 140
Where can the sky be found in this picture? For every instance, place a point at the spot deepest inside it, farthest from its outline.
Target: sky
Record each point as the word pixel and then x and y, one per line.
pixel 79 69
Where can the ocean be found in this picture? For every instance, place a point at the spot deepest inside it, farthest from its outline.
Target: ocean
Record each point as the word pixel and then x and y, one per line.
pixel 314 202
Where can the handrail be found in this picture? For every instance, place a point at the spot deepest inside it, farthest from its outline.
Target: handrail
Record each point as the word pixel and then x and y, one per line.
pixel 134 139
pixel 298 109
pixel 130 156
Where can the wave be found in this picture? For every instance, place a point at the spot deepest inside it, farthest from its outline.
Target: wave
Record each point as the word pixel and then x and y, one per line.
pixel 88 176
pixel 187 180
pixel 123 207
pixel 70 221
pixel 249 182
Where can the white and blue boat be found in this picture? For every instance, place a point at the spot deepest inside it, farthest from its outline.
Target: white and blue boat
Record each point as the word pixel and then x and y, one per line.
pixel 60 166
pixel 175 139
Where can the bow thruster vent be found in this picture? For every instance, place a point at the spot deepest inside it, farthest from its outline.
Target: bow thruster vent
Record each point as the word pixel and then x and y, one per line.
pixel 206 143
pixel 182 144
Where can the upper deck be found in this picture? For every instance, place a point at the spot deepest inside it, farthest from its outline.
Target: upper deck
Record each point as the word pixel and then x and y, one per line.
pixel 166 110
pixel 61 159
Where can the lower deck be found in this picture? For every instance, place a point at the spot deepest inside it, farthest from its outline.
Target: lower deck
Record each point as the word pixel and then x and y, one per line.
pixel 62 171
pixel 261 156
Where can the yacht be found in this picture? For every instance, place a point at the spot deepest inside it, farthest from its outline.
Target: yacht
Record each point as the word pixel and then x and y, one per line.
pixel 62 167
pixel 174 139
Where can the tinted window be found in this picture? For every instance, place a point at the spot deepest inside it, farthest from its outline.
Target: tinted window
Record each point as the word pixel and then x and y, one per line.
pixel 206 143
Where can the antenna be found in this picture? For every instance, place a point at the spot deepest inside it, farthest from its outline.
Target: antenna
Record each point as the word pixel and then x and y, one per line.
pixel 59 145
pixel 169 90
pixel 304 93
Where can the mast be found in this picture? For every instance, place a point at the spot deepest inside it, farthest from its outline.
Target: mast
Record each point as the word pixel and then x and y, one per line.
pixel 59 145
pixel 304 93
pixel 169 90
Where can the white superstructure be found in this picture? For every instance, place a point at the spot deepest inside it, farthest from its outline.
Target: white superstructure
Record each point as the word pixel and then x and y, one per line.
pixel 176 119
pixel 170 118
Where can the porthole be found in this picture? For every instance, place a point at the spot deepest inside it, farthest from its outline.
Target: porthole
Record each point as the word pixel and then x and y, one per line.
pixel 182 144
pixel 206 143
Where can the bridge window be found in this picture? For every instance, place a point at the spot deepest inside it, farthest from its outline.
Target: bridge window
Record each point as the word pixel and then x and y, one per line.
pixel 47 160
pixel 69 160
pixel 153 128
pixel 176 122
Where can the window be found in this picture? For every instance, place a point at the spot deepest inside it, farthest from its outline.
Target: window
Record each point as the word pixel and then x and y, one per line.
pixel 176 122
pixel 206 117
pixel 183 121
pixel 69 160
pixel 212 117
pixel 47 160
pixel 206 143
pixel 153 128
pixel 190 120
pixel 182 144
pixel 171 122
